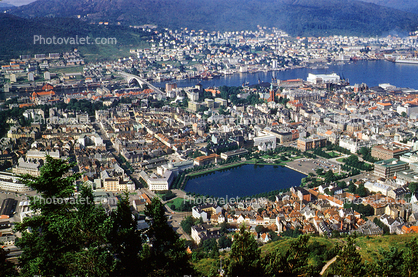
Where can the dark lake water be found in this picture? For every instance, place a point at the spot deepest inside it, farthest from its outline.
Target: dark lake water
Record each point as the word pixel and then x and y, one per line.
pixel 372 73
pixel 244 180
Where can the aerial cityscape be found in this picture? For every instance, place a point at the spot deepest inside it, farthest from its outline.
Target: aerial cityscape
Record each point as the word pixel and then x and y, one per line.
pixel 132 148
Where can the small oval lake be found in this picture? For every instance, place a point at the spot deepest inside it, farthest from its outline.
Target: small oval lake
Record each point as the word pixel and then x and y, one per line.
pixel 244 180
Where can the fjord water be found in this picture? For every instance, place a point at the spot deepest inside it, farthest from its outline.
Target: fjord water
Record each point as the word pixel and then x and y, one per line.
pixel 244 180
pixel 371 73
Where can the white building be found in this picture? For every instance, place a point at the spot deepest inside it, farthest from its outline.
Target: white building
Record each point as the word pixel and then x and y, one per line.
pixel 323 78
pixel 377 187
pixel 91 139
pixel 31 167
pixel 350 144
pixel 176 168
pixel 266 142
pixel 409 109
pixel 158 183
pixel 36 154
pixel 11 182
pixel 199 213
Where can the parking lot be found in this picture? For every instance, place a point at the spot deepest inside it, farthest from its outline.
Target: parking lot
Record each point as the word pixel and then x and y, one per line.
pixel 307 166
pixel 17 196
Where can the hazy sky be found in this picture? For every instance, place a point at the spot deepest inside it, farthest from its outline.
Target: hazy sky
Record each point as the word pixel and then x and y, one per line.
pixel 18 2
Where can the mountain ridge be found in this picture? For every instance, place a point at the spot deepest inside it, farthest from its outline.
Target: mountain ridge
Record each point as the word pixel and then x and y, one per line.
pixel 6 6
pixel 403 5
pixel 297 17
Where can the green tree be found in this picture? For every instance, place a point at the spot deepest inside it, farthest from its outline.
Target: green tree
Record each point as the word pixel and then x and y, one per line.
pixel 349 261
pixel 7 268
pixel 224 228
pixel 67 234
pixel 244 258
pixel 319 171
pixel 410 258
pixel 224 242
pixel 187 224
pixel 351 187
pixel 222 110
pixel 413 187
pixel 259 228
pixel 208 244
pixel 294 262
pixel 389 264
pixel 342 185
pixel 328 192
pixel 166 254
pixel 329 176
pixel 361 191
pixel 274 263
pixel 126 241
pixel 297 255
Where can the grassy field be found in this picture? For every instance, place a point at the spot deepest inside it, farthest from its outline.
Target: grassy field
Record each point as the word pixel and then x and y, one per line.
pixel 176 202
pixel 105 53
pixel 282 245
pixel 71 69
pixel 341 160
pixel 368 247
pixel 333 154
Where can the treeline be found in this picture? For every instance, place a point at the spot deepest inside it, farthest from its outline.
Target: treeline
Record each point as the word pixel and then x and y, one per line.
pixel 231 94
pixel 81 106
pixel 321 153
pixel 307 256
pixel 337 148
pixel 352 170
pixel 271 195
pixel 353 161
pixel 365 210
pixel 366 154
pixel 73 236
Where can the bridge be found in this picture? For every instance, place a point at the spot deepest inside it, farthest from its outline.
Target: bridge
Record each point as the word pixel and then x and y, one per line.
pixel 131 77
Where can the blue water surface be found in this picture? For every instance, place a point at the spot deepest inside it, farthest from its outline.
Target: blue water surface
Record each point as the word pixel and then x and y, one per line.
pixel 244 180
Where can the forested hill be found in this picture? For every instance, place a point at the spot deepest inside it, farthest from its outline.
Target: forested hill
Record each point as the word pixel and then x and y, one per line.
pixel 17 36
pixel 403 5
pixel 5 6
pixel 297 17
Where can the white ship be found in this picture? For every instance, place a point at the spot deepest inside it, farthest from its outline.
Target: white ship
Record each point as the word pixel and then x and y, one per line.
pixel 406 60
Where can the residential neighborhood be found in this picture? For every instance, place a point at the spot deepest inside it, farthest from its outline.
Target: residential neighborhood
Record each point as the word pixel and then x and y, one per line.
pixel 357 145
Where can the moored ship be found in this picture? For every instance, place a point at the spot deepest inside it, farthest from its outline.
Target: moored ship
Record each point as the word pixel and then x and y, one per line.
pixel 407 60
